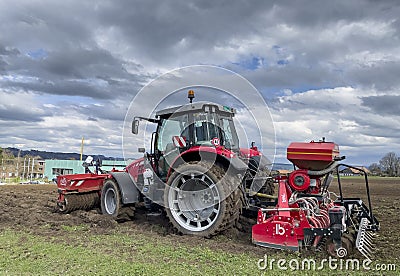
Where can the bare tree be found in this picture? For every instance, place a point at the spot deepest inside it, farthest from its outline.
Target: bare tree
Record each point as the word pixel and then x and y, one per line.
pixel 375 169
pixel 398 166
pixel 390 164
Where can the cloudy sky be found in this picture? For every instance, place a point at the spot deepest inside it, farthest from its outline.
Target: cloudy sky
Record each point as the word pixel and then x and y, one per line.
pixel 325 68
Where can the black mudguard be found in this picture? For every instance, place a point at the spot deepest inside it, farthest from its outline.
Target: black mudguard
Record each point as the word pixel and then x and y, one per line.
pixel 129 191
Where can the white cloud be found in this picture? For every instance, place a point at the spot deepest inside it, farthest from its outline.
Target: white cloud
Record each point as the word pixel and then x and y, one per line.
pixel 338 115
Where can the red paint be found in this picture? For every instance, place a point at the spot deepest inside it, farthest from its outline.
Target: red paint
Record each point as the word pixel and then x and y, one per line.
pixel 313 155
pixel 284 228
pixel 81 182
pixel 136 168
pixel 247 153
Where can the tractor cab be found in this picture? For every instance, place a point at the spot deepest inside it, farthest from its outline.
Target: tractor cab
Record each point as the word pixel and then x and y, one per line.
pixel 189 127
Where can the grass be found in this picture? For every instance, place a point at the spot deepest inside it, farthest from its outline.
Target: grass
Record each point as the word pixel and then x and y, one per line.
pixel 116 254
pixel 73 228
pixel 76 251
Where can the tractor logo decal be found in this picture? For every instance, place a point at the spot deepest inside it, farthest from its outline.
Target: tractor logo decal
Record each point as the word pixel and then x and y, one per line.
pixel 63 181
pixel 283 198
pixel 279 230
pixel 215 141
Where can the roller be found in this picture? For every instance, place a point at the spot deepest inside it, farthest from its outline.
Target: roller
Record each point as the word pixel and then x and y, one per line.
pixel 73 202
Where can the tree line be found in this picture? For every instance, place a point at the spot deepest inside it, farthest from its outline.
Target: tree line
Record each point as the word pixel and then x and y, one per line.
pixel 389 165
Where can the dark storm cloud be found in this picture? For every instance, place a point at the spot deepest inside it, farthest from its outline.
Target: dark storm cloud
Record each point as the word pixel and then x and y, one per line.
pixel 174 33
pixel 21 113
pixel 8 52
pixel 382 76
pixel 387 104
pixel 294 78
pixel 49 51
pixel 92 73
pixel 61 87
pixel 156 28
pixel 99 112
pixel 105 51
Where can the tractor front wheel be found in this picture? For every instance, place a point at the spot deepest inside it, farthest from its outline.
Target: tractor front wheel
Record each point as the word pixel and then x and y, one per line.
pixel 202 199
pixel 110 199
pixel 111 203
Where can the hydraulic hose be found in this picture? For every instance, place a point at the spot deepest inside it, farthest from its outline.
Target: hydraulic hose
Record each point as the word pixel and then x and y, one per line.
pixel 324 171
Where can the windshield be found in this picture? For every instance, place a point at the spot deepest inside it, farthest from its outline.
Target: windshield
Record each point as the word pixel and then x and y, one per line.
pixel 173 126
pixel 209 126
pixel 205 128
pixel 198 129
pixel 230 139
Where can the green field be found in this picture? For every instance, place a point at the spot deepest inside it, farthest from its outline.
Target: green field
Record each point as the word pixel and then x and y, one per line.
pixel 78 252
pixel 34 240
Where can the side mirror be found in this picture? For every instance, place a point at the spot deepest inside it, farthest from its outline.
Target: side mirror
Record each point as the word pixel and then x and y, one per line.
pixel 135 126
pixel 142 150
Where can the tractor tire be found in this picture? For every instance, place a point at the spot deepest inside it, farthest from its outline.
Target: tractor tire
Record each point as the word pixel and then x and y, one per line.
pixel 111 203
pixel 201 199
pixel 269 187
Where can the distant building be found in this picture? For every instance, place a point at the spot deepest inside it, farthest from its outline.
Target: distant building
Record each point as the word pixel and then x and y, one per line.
pixel 353 172
pixel 23 168
pixel 61 167
pixel 284 172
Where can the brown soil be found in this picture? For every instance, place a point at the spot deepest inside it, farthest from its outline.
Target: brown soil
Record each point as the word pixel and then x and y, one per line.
pixel 32 208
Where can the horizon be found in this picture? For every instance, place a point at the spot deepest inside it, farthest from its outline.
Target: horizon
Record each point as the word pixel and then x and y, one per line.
pixel 84 154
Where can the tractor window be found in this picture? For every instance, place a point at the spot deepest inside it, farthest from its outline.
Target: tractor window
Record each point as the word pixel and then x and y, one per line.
pixel 171 127
pixel 205 129
pixel 231 140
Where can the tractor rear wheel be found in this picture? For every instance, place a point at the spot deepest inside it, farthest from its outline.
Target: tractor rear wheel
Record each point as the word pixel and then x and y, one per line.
pixel 111 203
pixel 202 199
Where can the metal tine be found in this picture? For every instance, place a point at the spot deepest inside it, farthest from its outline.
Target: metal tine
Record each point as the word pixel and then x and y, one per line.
pixel 366 239
pixel 368 256
pixel 369 234
pixel 369 250
pixel 369 242
pixel 372 248
pixel 365 252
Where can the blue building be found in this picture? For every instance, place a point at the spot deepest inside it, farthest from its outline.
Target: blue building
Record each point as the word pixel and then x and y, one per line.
pixel 61 167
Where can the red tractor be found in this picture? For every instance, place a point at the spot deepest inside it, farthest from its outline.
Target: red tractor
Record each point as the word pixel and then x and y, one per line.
pixel 195 170
pixel 199 175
